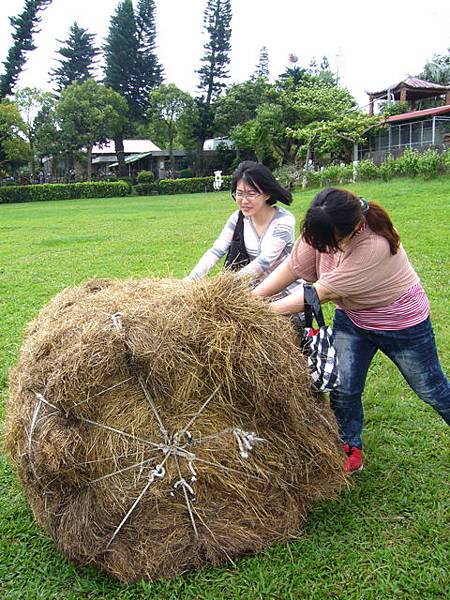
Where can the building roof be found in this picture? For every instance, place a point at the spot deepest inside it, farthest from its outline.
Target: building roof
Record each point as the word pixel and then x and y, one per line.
pixel 130 147
pixel 413 83
pixel 418 114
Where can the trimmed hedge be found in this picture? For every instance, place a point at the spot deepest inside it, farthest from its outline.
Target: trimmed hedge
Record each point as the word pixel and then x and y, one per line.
pixel 191 185
pixel 63 191
pixel 146 189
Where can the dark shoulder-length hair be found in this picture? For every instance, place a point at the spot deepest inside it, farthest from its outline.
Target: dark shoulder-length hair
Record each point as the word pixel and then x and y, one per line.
pixel 335 213
pixel 261 179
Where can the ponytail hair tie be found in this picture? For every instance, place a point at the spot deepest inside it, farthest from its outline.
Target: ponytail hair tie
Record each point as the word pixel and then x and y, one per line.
pixel 364 205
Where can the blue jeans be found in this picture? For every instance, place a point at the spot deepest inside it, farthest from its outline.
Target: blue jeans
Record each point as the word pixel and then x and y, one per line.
pixel 414 352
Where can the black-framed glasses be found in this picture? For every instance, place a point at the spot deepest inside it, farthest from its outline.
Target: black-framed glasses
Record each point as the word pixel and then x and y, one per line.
pixel 247 195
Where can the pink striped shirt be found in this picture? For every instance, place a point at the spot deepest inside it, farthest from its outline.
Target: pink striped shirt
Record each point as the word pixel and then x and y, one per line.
pixel 410 309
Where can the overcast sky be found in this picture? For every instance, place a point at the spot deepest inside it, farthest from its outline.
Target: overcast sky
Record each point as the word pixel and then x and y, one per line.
pixel 373 43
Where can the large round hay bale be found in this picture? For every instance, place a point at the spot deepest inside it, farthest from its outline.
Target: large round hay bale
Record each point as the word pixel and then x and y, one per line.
pixel 158 425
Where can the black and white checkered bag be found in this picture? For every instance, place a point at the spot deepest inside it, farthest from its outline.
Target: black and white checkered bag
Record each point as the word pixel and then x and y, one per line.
pixel 318 345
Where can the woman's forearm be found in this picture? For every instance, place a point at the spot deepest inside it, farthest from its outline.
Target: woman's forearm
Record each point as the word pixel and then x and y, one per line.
pixel 276 281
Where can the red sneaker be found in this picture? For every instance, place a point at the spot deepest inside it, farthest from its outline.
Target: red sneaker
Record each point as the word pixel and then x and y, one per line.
pixel 353 462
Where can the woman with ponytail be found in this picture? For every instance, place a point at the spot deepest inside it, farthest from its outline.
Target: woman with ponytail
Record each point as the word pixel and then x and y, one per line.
pixel 352 253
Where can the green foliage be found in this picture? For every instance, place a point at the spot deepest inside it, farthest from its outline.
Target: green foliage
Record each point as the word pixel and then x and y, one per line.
pixel 132 68
pixel 335 174
pixel 121 51
pixel 388 168
pixel 389 109
pixel 191 185
pixel 368 170
pixel 289 176
pixel 407 164
pixel 186 173
pixel 146 177
pixel 63 191
pixel 32 102
pixel 167 104
pixel 216 20
pixel 431 163
pixel 149 70
pixel 89 113
pixel 78 58
pixel 24 28
pixel 13 147
pixel 437 69
pixel 146 189
pixel 262 68
pixel 240 102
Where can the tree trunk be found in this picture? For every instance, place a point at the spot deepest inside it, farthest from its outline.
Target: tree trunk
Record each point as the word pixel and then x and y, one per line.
pixel 120 154
pixel 89 162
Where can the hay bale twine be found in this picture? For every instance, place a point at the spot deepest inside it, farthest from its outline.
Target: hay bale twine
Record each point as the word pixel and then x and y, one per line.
pixel 158 425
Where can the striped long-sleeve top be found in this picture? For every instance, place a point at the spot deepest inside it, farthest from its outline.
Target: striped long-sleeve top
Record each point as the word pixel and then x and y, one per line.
pixel 265 251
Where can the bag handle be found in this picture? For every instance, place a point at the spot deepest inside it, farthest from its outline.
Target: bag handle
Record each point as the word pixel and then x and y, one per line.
pixel 238 233
pixel 312 306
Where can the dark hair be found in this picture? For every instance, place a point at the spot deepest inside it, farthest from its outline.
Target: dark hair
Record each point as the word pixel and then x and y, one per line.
pixel 261 179
pixel 335 213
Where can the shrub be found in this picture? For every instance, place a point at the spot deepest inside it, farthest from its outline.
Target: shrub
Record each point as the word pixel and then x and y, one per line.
pixel 446 161
pixel 192 185
pixel 367 169
pixel 407 164
pixel 288 176
pixel 146 189
pixel 388 168
pixel 334 174
pixel 62 191
pixel 186 173
pixel 145 177
pixel 430 163
pixel 128 179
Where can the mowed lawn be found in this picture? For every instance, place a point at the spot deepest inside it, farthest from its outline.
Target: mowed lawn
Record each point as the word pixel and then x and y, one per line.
pixel 385 538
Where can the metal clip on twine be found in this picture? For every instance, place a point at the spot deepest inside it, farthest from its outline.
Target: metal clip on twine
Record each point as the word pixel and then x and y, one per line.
pixel 174 446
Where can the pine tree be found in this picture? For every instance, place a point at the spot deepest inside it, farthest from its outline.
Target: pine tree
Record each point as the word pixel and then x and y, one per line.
pixel 25 27
pixel 216 19
pixel 262 68
pixel 78 58
pixel 149 70
pixel 121 51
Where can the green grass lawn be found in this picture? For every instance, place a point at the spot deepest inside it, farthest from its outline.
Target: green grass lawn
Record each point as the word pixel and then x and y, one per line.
pixel 385 538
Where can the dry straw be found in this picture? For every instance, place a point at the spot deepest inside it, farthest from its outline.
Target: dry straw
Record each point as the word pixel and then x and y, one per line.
pixel 159 425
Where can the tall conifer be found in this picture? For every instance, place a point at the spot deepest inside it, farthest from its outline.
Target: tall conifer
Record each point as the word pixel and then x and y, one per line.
pixel 216 19
pixel 78 58
pixel 121 51
pixel 262 68
pixel 148 68
pixel 24 28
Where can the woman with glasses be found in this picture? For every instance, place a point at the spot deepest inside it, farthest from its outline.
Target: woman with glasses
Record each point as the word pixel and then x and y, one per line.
pixel 269 229
pixel 352 252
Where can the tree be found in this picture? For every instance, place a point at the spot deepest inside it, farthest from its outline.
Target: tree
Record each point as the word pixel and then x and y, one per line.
pixel 148 67
pixel 216 19
pixel 167 104
pixel 121 50
pixel 437 69
pixel 238 105
pixel 89 113
pixel 13 147
pixel 31 102
pixel 25 27
pixel 78 58
pixel 290 110
pixel 262 68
